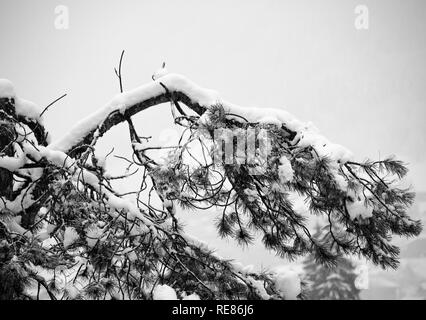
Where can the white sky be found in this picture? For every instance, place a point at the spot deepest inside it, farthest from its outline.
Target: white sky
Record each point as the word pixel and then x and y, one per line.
pixel 363 89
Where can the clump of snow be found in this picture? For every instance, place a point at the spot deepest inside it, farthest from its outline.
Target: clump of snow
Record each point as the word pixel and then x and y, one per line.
pixel 118 204
pixel 14 226
pixel 248 269
pixel 23 201
pixel 299 204
pixel 359 203
pixel 197 94
pixel 93 235
pixel 164 292
pixel 288 284
pixel 192 296
pixel 324 148
pixel 23 107
pixel 7 89
pixel 359 209
pixel 70 236
pixel 13 163
pixel 202 245
pixel 58 158
pixel 285 171
pixel 27 109
pixel 259 287
pixel 238 266
pixel 45 233
pixel 341 182
pixel 269 120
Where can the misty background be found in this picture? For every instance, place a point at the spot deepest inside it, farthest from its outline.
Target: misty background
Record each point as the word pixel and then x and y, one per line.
pixel 364 89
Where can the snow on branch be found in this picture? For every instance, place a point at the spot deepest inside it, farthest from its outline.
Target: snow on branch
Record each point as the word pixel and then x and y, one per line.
pixel 129 103
pixel 198 99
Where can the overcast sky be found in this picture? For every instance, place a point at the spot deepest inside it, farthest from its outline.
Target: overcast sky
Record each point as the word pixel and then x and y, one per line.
pixel 365 89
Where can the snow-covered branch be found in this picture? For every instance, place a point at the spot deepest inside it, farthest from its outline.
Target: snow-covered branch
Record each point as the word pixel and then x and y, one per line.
pixel 198 99
pixel 58 207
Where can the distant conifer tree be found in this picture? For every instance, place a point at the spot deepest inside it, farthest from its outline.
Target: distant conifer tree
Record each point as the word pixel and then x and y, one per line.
pixel 330 282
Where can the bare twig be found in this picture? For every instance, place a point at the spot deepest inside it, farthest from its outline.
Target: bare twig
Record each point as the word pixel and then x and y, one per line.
pixel 118 73
pixel 52 103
